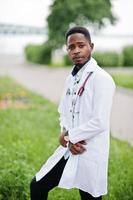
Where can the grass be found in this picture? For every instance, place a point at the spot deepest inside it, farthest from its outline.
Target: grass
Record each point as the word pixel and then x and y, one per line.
pixel 123 80
pixel 28 136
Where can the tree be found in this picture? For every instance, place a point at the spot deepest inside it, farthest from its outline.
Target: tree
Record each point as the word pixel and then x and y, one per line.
pixel 65 13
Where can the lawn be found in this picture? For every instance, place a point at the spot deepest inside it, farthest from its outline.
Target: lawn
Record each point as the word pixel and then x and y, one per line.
pixel 123 80
pixel 29 134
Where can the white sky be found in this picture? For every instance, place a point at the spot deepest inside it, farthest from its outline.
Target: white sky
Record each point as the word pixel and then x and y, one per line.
pixel 34 12
pixel 24 12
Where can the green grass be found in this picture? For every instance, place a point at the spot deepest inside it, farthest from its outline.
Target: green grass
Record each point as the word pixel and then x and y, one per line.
pixel 123 80
pixel 29 135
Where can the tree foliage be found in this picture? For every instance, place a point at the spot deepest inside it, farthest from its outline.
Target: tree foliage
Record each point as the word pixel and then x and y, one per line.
pixel 66 13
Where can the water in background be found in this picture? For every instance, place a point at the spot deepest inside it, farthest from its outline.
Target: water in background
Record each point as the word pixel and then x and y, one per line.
pixel 111 43
pixel 14 44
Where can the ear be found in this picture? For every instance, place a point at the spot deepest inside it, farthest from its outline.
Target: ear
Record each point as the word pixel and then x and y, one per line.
pixel 92 46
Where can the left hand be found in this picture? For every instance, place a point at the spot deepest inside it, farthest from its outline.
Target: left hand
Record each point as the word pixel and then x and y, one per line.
pixel 77 148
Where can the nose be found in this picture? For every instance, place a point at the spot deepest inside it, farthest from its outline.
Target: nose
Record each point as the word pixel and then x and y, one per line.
pixel 76 50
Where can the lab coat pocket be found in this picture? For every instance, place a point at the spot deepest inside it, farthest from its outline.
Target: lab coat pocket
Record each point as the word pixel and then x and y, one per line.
pixel 88 170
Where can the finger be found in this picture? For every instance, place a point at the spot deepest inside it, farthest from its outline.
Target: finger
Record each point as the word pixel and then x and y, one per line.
pixel 64 145
pixel 77 152
pixel 74 150
pixel 80 146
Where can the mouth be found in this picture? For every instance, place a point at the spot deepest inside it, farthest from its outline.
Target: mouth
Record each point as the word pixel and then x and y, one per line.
pixel 77 59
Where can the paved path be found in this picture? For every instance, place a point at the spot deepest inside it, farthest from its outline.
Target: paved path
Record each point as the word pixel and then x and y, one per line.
pixel 49 83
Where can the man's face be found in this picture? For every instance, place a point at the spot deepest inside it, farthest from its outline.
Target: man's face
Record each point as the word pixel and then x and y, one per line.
pixel 79 48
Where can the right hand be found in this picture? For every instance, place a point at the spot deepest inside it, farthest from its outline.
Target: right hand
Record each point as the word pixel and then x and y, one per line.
pixel 62 141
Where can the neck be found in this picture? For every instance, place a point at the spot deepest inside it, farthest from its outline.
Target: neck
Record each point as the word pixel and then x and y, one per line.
pixel 79 66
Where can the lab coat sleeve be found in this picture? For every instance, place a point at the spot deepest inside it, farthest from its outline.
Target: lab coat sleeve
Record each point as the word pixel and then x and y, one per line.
pixel 62 108
pixel 103 92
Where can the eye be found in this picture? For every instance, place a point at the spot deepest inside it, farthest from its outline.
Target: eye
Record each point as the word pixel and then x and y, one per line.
pixel 71 47
pixel 81 45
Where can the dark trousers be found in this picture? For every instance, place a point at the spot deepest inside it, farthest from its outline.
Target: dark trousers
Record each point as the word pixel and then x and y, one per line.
pixel 39 189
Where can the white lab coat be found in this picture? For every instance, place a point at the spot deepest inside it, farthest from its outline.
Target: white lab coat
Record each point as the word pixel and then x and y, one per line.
pixel 87 171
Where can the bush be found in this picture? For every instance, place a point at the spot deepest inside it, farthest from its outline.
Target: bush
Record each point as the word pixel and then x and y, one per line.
pixel 67 61
pixel 38 53
pixel 123 80
pixel 107 59
pixel 128 56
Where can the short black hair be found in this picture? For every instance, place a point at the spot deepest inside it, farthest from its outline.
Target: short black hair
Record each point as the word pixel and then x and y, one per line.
pixel 79 29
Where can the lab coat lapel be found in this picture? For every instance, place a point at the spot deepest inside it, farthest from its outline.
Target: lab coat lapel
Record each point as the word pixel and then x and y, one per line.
pixel 90 66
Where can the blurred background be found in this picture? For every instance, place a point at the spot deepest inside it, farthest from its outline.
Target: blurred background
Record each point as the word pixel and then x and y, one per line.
pixel 23 22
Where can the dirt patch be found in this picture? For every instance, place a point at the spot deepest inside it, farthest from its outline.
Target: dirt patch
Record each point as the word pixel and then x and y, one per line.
pixel 18 102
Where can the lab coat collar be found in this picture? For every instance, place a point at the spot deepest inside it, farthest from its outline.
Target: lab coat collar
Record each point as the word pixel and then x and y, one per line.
pixel 91 65
pixel 86 71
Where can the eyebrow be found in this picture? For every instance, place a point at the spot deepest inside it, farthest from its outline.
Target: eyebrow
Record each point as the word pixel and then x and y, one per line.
pixel 77 43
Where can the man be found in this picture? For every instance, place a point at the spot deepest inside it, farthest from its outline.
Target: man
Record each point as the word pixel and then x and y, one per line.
pixel 81 161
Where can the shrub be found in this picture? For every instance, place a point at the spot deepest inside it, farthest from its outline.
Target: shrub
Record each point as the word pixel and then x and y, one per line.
pixel 38 53
pixel 107 59
pixel 128 56
pixel 67 61
pixel 123 80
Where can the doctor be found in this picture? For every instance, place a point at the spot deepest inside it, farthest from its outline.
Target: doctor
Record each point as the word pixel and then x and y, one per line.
pixel 81 160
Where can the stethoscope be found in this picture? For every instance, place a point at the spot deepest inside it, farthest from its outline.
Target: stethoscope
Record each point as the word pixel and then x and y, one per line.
pixel 79 94
pixel 81 89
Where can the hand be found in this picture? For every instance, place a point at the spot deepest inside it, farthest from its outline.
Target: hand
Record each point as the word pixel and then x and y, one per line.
pixel 62 141
pixel 77 148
